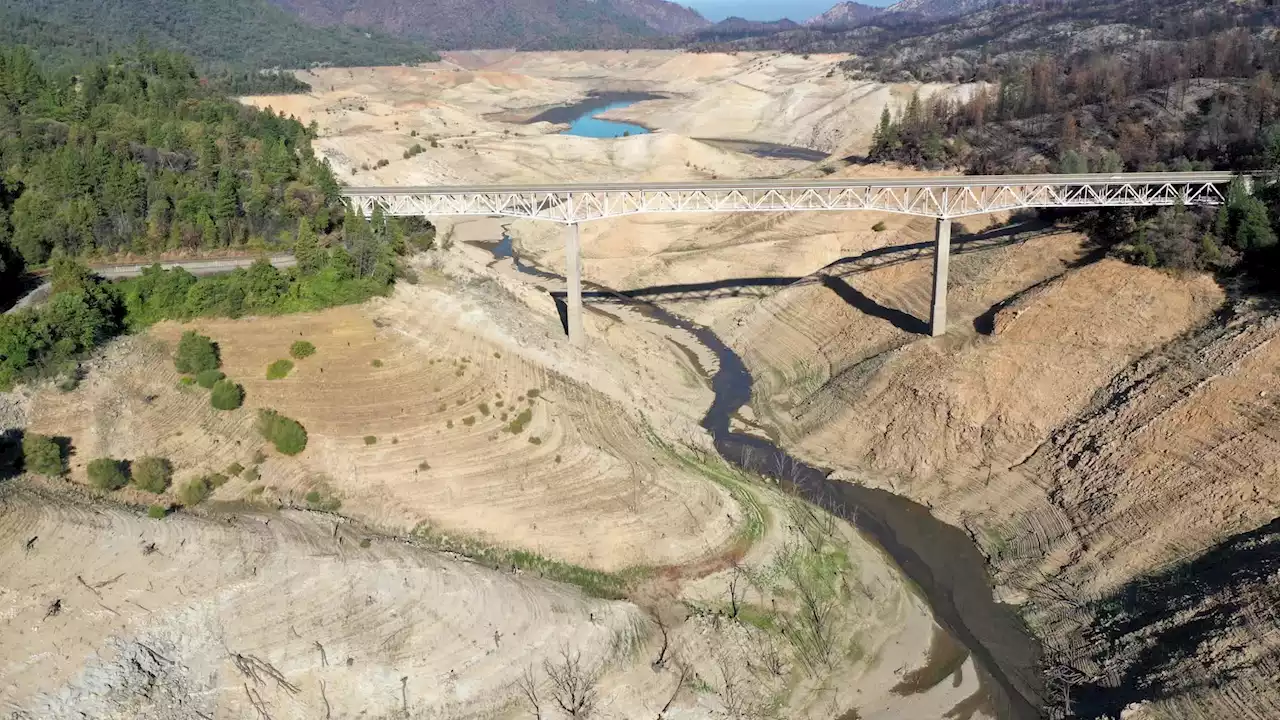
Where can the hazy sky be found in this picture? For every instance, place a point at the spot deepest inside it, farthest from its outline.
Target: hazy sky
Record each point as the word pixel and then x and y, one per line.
pixel 798 10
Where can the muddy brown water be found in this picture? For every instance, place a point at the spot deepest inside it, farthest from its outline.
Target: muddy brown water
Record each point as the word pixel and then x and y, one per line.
pixel 940 560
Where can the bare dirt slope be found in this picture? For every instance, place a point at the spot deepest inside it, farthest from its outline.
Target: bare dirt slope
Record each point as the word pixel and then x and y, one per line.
pixel 424 437
pixel 1092 426
pixel 726 611
pixel 474 106
pixel 289 612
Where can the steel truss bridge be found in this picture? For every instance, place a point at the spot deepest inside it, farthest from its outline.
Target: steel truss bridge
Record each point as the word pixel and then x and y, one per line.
pixel 943 198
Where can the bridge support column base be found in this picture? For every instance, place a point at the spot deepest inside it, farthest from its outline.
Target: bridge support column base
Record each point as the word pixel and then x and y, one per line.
pixel 573 273
pixel 941 261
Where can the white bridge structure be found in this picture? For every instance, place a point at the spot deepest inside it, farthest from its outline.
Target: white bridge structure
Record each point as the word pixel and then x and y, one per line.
pixel 943 198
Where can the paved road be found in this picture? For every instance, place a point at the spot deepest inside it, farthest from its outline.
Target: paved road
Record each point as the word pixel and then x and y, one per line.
pixel 120 272
pixel 933 182
pixel 195 267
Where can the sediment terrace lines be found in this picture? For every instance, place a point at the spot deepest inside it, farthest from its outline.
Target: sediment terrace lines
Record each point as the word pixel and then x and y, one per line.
pixel 943 197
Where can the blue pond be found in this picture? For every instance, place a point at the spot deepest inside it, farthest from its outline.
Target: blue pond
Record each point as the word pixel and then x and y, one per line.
pixel 588 125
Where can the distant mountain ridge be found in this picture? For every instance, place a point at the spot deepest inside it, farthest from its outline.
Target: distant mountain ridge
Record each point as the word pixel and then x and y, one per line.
pixel 522 24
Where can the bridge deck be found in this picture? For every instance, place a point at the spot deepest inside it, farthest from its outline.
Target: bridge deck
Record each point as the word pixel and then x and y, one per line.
pixel 943 198
pixel 940 197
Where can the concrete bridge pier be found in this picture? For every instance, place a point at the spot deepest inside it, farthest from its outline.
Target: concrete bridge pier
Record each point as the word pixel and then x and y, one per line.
pixel 573 273
pixel 941 261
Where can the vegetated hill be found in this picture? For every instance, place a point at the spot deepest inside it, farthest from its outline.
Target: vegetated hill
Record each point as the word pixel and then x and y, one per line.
pixel 736 28
pixel 943 8
pixel 846 14
pixel 524 24
pixel 664 17
pixel 237 34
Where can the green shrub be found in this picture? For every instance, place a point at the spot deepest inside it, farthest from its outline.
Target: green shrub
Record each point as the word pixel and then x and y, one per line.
pixel 235 469
pixel 376 363
pixel 517 426
pixel 469 420
pixel 107 474
pixel 313 497
pixel 370 439
pixel 197 490
pixel 196 353
pixel 151 474
pixel 535 441
pixel 157 511
pixel 533 392
pixel 302 349
pixel 286 434
pixel 42 455
pixel 879 227
pixel 259 457
pixel 279 369
pixel 70 381
pixel 226 395
pixel 187 381
pixel 484 408
pixel 251 475
pixel 207 378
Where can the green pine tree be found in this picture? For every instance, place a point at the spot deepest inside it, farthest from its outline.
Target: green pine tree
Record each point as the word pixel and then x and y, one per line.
pixel 227 200
pixel 207 163
pixel 306 249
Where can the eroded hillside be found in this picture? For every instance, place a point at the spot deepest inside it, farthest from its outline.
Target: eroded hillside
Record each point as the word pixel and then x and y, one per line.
pixel 1105 425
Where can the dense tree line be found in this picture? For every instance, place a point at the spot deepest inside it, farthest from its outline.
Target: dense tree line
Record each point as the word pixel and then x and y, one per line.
pixel 84 311
pixel 1205 102
pixel 137 154
pixel 1205 98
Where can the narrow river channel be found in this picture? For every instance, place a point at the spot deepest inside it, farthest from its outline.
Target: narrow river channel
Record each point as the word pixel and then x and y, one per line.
pixel 937 558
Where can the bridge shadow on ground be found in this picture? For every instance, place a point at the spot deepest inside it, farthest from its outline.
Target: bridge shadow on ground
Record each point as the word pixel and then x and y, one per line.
pixel 832 276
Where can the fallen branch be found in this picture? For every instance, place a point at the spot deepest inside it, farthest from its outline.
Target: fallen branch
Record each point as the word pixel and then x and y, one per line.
pixel 327 710
pixel 253 668
pixel 256 701
pixel 680 681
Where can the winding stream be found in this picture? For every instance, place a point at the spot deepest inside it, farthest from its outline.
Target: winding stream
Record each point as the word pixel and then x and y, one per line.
pixel 941 560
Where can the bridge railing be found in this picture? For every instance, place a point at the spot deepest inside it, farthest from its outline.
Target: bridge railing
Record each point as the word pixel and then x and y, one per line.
pixel 943 198
pixel 930 197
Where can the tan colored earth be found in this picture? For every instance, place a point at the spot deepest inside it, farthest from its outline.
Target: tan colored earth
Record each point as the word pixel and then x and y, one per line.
pixel 1089 423
pixel 620 479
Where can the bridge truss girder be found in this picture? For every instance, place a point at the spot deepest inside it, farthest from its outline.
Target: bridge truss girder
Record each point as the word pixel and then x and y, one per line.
pixel 950 201
pixel 940 198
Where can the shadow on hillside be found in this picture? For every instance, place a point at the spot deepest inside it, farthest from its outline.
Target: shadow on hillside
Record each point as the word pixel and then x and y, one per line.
pixel 10 453
pixel 1175 617
pixel 832 276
